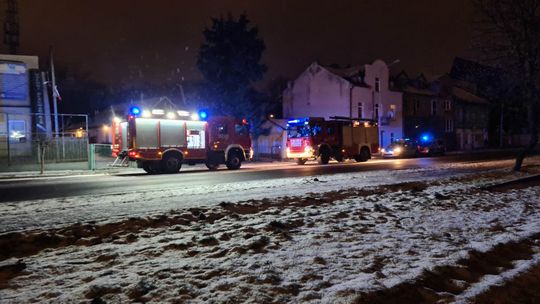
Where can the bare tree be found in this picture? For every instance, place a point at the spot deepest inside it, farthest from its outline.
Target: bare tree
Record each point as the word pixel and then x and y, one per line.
pixel 509 36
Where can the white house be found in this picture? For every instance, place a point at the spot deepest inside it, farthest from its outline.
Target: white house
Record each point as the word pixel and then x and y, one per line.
pixel 353 91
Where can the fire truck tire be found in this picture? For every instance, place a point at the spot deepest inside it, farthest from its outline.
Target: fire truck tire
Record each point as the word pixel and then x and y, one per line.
pixel 363 156
pixel 212 167
pixel 339 157
pixel 324 158
pixel 171 163
pixel 234 161
pixel 301 161
pixel 150 168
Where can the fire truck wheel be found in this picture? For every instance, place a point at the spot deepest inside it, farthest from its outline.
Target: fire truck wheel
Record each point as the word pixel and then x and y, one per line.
pixel 364 155
pixel 171 164
pixel 151 167
pixel 233 161
pixel 339 157
pixel 212 167
pixel 324 158
pixel 301 161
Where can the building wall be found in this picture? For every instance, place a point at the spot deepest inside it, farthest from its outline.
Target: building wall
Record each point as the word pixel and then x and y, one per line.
pixel 16 110
pixel 317 93
pixel 320 93
pixel 470 124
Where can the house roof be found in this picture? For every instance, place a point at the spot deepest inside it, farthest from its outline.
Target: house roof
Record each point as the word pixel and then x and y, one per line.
pixel 413 90
pixel 466 96
pixel 348 71
pixel 353 74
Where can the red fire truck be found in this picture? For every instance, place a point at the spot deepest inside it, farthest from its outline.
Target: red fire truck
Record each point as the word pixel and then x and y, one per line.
pixel 160 142
pixel 339 138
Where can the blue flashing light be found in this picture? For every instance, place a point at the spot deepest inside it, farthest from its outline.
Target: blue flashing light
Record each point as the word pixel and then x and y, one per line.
pixel 303 121
pixel 425 137
pixel 135 111
pixel 203 114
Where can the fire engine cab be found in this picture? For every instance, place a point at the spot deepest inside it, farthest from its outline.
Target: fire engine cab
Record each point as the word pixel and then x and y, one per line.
pixel 160 142
pixel 339 138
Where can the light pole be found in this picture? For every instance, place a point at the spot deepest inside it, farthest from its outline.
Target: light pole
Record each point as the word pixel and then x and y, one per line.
pixel 54 93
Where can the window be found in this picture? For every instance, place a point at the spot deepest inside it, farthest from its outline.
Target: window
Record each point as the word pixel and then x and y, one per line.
pixel 376 110
pixel 392 111
pixel 241 129
pixel 449 125
pixel 377 84
pixel 447 105
pixel 392 137
pixel 222 129
pixel 316 129
pixel 329 131
pixel 17 131
pixel 434 107
pixel 360 110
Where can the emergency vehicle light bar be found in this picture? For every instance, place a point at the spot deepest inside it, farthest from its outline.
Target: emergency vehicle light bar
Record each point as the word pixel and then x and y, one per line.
pixel 136 111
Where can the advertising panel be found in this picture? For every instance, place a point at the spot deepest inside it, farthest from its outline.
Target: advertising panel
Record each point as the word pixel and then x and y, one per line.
pixel 13 81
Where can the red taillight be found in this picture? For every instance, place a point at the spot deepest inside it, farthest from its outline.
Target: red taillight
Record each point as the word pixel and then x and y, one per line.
pixel 132 153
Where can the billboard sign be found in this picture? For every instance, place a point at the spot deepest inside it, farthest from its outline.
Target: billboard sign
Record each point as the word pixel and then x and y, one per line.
pixel 13 80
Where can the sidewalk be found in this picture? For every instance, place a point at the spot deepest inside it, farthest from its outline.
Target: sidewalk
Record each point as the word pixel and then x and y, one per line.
pixel 59 173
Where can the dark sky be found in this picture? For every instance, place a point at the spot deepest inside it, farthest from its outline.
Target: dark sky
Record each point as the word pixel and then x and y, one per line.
pixel 111 39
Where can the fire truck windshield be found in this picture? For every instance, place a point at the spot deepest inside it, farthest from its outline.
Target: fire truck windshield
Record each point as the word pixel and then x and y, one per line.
pixel 302 131
pixel 298 131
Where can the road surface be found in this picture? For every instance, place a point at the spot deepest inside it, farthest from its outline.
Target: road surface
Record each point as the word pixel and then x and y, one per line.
pixel 43 188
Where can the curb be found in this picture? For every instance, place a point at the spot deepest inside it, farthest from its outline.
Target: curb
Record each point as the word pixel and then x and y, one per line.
pixel 518 181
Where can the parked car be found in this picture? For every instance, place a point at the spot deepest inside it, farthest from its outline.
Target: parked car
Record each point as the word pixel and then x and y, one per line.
pixel 429 146
pixel 401 148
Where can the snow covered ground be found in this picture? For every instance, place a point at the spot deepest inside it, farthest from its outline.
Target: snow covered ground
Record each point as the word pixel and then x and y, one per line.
pixel 323 239
pixel 65 211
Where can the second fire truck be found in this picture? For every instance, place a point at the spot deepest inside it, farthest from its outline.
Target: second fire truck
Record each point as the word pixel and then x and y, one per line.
pixel 340 138
pixel 160 141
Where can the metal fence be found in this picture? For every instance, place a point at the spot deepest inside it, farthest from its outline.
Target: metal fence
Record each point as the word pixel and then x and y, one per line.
pixel 27 150
pixel 100 156
pixel 27 141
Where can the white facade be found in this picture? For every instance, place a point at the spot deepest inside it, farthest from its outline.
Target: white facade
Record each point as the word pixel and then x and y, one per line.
pixel 351 92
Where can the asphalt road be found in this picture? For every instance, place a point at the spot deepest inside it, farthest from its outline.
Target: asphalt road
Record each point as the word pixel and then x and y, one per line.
pixel 43 188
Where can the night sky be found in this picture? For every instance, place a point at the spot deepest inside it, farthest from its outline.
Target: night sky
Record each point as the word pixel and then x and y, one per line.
pixel 113 39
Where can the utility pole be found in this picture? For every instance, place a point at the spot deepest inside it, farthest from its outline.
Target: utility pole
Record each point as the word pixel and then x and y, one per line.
pixel 501 119
pixel 11 27
pixel 54 92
